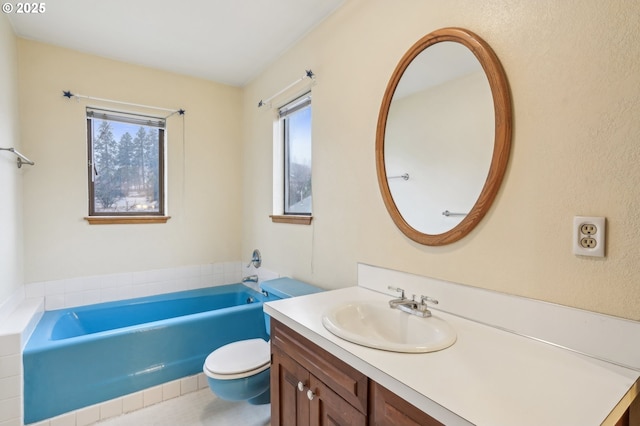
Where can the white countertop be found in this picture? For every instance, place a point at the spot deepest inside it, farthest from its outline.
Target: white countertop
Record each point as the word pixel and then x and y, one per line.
pixel 488 377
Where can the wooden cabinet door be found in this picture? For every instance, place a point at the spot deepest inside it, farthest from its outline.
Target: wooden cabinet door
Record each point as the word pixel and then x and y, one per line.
pixel 289 404
pixel 343 379
pixel 388 408
pixel 327 408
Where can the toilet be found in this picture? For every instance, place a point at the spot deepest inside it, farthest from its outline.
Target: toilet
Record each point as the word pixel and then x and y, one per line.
pixel 239 371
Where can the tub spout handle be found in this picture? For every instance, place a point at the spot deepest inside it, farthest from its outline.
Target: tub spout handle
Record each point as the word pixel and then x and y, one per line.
pixel 250 279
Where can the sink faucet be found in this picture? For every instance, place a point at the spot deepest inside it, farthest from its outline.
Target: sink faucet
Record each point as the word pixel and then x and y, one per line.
pixel 412 306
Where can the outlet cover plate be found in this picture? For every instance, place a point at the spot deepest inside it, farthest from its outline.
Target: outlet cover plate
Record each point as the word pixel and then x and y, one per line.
pixel 589 236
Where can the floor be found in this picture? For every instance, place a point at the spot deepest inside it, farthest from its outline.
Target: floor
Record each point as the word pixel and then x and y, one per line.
pixel 201 408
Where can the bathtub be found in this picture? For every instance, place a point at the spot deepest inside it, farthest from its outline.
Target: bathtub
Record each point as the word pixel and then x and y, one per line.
pixel 85 355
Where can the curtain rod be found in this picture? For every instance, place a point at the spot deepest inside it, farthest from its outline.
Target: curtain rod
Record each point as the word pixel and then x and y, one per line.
pixel 307 74
pixel 69 95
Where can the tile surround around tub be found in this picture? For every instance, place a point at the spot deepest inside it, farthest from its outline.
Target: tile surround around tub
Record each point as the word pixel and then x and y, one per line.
pixel 21 312
pixel 14 333
pixel 67 293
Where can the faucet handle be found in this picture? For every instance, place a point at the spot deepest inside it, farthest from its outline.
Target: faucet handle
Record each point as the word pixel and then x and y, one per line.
pixel 401 291
pixel 256 259
pixel 425 299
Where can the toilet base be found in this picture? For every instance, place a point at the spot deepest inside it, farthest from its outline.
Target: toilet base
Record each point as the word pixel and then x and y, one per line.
pixel 253 389
pixel 264 398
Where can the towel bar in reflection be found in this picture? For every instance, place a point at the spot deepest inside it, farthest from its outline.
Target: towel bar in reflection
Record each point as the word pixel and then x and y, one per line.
pixel 404 176
pixel 448 213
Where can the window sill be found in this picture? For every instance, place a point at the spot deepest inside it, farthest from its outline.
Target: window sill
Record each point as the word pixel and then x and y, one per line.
pixel 294 219
pixel 125 220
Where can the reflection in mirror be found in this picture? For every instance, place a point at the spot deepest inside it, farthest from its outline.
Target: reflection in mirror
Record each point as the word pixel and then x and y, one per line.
pixel 440 132
pixel 443 136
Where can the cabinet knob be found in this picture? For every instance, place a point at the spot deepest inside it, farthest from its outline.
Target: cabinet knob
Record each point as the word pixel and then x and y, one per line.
pixel 310 395
pixel 300 386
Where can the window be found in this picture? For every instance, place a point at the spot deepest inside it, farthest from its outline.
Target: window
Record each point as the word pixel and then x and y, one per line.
pixel 126 164
pixel 294 121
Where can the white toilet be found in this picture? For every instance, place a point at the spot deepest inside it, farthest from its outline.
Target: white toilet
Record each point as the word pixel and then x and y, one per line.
pixel 240 370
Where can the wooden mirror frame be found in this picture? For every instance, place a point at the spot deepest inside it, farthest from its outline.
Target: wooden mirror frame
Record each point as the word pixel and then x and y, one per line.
pixel 502 141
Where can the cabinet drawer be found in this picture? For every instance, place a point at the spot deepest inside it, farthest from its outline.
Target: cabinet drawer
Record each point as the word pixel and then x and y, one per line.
pixel 388 408
pixel 343 379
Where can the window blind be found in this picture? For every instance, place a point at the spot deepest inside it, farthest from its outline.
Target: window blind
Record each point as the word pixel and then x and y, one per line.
pixel 295 105
pixel 137 119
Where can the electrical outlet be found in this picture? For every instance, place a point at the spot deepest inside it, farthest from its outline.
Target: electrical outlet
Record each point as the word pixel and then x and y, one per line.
pixel 588 243
pixel 588 236
pixel 588 229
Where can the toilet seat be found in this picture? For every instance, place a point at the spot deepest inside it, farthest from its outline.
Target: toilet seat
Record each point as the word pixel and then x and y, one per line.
pixel 238 360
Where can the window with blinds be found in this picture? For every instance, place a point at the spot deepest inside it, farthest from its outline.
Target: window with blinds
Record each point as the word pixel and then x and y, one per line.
pixel 125 164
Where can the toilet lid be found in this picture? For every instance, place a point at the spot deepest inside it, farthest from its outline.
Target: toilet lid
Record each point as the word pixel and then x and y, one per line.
pixel 239 357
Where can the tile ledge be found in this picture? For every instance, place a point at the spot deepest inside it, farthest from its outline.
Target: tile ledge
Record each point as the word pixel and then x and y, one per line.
pixel 23 318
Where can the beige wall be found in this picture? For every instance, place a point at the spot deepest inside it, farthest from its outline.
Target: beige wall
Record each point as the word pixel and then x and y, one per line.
pixel 203 168
pixel 574 72
pixel 11 253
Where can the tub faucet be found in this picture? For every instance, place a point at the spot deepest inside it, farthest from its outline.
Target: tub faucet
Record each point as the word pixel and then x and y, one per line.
pixel 250 279
pixel 412 306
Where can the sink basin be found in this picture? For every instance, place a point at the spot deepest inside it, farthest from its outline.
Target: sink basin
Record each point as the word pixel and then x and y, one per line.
pixel 380 327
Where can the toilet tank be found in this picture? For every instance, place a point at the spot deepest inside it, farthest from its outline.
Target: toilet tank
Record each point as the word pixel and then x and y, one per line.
pixel 283 288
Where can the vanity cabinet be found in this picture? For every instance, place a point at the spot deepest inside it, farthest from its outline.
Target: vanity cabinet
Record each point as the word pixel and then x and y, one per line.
pixel 309 386
pixel 303 399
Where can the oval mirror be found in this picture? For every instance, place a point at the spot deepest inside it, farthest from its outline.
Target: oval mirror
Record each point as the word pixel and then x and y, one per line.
pixel 443 136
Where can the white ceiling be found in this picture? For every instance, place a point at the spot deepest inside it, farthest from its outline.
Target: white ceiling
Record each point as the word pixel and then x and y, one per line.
pixel 227 41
